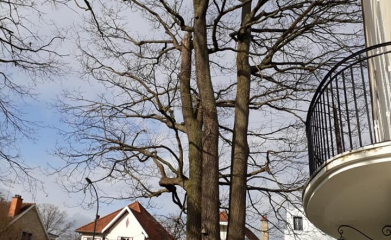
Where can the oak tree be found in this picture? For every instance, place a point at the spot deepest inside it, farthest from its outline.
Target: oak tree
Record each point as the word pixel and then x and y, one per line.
pixel 55 220
pixel 28 55
pixel 204 100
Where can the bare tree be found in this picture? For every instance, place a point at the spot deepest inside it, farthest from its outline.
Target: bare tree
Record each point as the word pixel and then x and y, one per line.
pixel 181 116
pixel 55 220
pixel 27 55
pixel 175 225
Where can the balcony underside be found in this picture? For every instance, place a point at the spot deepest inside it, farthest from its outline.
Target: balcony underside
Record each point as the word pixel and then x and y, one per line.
pixel 353 188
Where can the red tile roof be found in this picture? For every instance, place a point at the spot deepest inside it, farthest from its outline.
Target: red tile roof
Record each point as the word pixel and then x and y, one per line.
pixel 25 206
pixel 249 234
pixel 223 216
pixel 6 206
pixel 152 227
pixel 100 224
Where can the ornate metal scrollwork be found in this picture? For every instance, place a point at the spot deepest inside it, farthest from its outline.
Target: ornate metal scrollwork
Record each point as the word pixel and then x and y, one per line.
pixel 355 229
pixel 386 230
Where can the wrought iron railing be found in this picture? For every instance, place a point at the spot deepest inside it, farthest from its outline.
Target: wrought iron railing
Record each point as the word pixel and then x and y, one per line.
pixel 342 115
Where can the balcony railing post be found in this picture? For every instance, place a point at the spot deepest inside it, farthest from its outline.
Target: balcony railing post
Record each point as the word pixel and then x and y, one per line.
pixel 337 108
pixel 366 100
pixel 310 145
pixel 329 113
pixel 356 108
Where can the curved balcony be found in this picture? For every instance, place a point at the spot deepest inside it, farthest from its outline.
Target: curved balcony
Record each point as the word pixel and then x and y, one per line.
pixel 349 143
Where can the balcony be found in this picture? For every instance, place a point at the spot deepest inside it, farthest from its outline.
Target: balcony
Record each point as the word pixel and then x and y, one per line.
pixel 349 143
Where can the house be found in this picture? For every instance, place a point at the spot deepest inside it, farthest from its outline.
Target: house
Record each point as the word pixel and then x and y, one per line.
pixel 133 222
pixel 299 227
pixel 348 129
pixel 249 235
pixel 23 221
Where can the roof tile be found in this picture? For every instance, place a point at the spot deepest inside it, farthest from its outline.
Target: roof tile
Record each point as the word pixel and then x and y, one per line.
pixel 249 234
pixel 153 228
pixel 6 206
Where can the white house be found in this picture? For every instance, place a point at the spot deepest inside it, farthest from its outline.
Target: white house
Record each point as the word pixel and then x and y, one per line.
pixel 249 235
pixel 133 222
pixel 298 227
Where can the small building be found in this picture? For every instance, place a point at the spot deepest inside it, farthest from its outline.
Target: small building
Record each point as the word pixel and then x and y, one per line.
pixel 249 235
pixel 133 222
pixel 299 227
pixel 22 221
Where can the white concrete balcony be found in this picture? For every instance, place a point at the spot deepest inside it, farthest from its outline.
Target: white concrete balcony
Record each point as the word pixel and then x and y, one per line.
pixel 349 141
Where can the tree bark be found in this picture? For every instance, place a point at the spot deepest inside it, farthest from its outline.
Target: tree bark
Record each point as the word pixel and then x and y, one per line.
pixel 210 183
pixel 240 149
pixel 193 130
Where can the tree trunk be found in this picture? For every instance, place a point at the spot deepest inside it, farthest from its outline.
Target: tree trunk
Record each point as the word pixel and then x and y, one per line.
pixel 210 171
pixel 193 130
pixel 240 149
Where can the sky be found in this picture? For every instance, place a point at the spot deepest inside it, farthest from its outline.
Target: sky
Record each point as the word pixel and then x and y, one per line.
pixel 38 153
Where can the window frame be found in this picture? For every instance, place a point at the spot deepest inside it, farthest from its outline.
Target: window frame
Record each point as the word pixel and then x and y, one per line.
pixel 298 223
pixel 27 235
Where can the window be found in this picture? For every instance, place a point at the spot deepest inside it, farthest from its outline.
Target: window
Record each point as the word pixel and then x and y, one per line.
pixel 125 238
pixel 27 236
pixel 298 223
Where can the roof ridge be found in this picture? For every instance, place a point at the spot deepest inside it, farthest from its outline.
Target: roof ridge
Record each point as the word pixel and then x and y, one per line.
pixel 100 218
pixel 137 208
pixel 29 203
pixel 150 217
pixel 223 216
pixel 146 220
pixel 107 215
pixel 23 203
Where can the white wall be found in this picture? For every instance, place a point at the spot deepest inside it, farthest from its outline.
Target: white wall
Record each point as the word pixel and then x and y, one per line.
pixel 377 23
pixel 223 230
pixel 89 237
pixel 377 15
pixel 119 229
pixel 310 232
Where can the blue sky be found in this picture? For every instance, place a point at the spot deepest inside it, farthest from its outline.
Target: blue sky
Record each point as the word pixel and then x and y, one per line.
pixel 38 153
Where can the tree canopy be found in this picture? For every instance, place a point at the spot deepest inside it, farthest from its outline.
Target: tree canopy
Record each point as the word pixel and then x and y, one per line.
pixel 56 220
pixel 207 103
pixel 28 54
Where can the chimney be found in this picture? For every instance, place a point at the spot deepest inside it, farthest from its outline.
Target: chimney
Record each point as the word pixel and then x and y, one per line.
pixel 264 228
pixel 15 206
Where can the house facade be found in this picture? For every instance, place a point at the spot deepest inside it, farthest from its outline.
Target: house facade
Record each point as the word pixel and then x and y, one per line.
pixel 299 227
pixel 23 221
pixel 133 222
pixel 349 138
pixel 249 235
